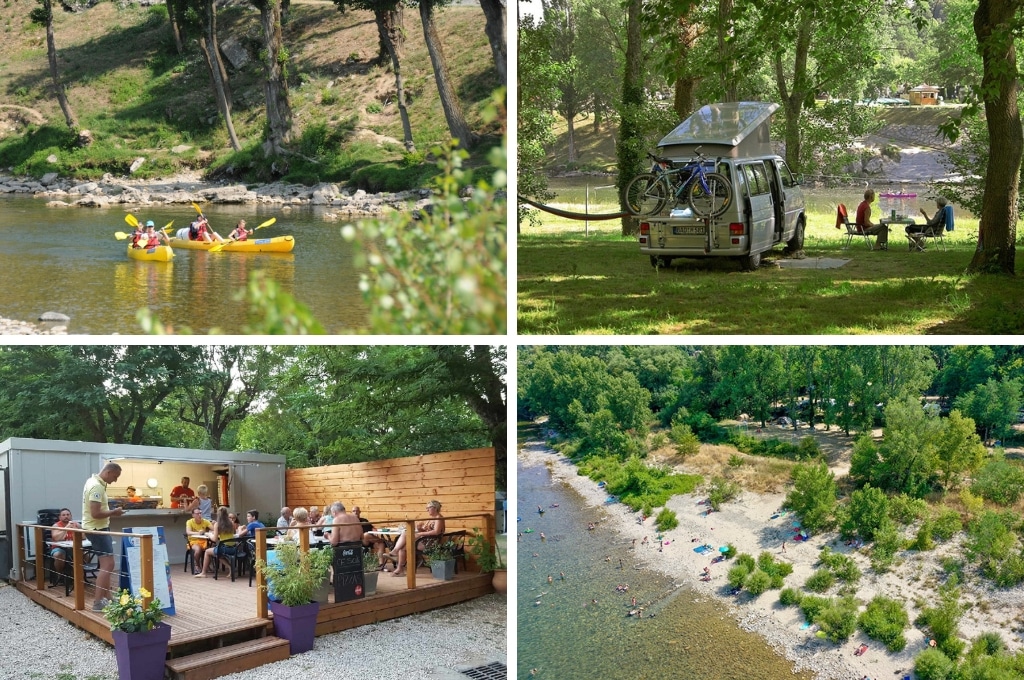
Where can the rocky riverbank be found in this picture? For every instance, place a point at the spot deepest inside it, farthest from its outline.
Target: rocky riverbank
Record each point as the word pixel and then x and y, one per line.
pixel 14 327
pixel 112 191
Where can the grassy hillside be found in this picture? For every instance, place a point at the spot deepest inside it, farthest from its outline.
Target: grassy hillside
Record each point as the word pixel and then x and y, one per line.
pixel 138 97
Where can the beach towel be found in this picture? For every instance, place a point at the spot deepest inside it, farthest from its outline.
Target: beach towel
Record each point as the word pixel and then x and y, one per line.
pixel 805 625
pixel 700 549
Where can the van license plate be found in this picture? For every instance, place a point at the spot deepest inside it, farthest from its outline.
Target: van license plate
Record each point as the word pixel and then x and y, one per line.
pixel 688 231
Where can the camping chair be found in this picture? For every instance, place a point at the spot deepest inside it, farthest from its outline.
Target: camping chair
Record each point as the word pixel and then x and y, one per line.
pixel 852 230
pixel 232 550
pixel 919 239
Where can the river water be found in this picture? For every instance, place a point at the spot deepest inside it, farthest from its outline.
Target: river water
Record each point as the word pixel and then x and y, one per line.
pixel 68 261
pixel 565 635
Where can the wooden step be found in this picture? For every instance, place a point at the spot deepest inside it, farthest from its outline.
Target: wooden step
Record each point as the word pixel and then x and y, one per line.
pixel 231 659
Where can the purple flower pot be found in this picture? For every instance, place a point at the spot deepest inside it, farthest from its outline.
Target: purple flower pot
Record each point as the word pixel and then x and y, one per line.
pixel 297 625
pixel 141 656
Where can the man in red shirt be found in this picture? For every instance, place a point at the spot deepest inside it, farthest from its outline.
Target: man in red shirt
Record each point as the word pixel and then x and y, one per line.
pixel 181 495
pixel 59 533
pixel 865 225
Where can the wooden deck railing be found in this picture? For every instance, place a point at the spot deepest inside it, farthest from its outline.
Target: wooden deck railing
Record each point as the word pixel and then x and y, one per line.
pixel 489 528
pixel 78 556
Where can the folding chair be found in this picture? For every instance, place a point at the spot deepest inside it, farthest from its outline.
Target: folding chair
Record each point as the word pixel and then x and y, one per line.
pixel 852 231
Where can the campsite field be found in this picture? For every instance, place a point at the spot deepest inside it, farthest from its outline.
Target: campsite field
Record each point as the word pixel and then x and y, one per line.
pixel 578 278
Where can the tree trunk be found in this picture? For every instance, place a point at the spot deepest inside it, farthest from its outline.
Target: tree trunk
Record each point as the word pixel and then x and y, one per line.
pixel 51 55
pixel 275 86
pixel 994 26
pixel 630 144
pixel 494 14
pixel 392 38
pixel 211 52
pixel 570 135
pixel 172 16
pixel 686 80
pixel 793 98
pixel 457 125
pixel 730 86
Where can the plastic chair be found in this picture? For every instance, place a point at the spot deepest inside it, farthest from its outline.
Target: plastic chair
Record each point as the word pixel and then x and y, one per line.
pixel 852 231
pixel 230 549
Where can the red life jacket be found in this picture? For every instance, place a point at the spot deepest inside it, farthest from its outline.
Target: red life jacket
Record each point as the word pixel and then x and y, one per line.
pixel 241 236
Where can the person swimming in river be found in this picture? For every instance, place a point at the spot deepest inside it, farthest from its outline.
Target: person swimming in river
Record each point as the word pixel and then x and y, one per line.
pixel 540 510
pixel 590 527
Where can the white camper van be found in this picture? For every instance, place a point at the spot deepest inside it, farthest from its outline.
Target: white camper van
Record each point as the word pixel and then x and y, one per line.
pixel 767 205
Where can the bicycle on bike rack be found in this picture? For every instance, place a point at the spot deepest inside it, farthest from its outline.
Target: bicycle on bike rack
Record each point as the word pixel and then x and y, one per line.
pixel 707 193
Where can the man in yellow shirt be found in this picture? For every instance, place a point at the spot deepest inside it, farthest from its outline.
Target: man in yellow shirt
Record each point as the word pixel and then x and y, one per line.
pixel 96 514
pixel 198 530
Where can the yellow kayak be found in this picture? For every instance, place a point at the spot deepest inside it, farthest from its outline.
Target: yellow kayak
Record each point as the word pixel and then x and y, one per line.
pixel 278 244
pixel 157 254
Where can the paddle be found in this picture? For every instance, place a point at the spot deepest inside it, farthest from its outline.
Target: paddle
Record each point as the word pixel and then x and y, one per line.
pixel 132 222
pixel 220 246
pixel 120 235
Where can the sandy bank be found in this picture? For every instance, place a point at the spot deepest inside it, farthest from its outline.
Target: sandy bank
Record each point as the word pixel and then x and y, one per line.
pixel 747 524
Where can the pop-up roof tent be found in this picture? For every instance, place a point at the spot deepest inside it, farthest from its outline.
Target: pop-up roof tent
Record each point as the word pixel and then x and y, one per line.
pixel 731 129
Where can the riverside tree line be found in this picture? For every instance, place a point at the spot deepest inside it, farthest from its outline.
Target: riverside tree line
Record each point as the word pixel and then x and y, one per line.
pixel 316 405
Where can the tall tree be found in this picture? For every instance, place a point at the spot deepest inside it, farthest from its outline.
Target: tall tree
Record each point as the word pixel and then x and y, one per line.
pixel 630 144
pixel 996 24
pixel 494 27
pixel 275 83
pixel 457 125
pixel 44 15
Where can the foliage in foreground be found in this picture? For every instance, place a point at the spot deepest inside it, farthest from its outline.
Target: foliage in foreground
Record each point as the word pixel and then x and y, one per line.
pixel 442 271
pixel 885 620
pixel 635 483
pixel 813 497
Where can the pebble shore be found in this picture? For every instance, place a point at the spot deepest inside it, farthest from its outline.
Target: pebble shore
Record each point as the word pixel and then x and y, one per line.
pixel 40 644
pixel 15 327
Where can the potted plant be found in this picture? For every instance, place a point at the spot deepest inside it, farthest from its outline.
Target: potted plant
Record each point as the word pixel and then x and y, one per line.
pixel 292 578
pixel 371 563
pixel 140 639
pixel 440 558
pixel 488 557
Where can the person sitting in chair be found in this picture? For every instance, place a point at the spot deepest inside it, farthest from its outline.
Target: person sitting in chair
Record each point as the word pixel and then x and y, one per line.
pixel 59 532
pixel 934 224
pixel 432 527
pixel 866 226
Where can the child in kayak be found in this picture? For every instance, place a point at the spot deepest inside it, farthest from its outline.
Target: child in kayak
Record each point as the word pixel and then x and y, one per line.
pixel 240 233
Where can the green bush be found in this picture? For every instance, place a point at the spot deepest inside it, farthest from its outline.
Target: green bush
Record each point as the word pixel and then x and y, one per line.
pixel 666 520
pixel 947 524
pixel 766 563
pixel 686 441
pixel 924 541
pixel 738 575
pixel 1010 572
pixel 991 536
pixel 904 509
pixel 730 551
pixel 747 561
pixel 444 273
pixel 869 507
pixel 757 582
pixel 813 497
pixel 790 596
pixel 887 542
pixel 820 581
pixel 735 460
pixel 987 644
pixel 839 619
pixel 722 491
pixel 931 664
pixel 885 620
pixel 944 618
pixel 658 441
pixel 1000 481
pixel 812 605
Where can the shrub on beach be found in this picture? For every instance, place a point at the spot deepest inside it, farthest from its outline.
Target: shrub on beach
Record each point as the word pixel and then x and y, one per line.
pixel 757 582
pixel 813 497
pixel 931 664
pixel 904 509
pixel 812 605
pixel 666 520
pixel 722 491
pixel 737 575
pixel 820 581
pixel 842 566
pixel 885 620
pixel 790 596
pixel 839 619
pixel 947 524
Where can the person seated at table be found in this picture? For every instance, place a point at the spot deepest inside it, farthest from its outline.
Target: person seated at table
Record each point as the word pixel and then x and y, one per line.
pixel 300 516
pixel 314 514
pixel 198 530
pixel 285 520
pixel 203 502
pixel 345 527
pixel 233 518
pixel 866 226
pixel 374 543
pixel 934 224
pixel 59 532
pixel 432 527
pixel 252 523
pixel 222 531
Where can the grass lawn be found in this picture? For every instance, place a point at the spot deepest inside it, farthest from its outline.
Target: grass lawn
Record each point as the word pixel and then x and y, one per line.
pixel 569 283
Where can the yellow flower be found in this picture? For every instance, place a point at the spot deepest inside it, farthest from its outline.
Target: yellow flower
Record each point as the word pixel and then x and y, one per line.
pixel 144 593
pixel 125 598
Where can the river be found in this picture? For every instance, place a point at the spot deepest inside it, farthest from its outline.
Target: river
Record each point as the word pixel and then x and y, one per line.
pixel 68 261
pixel 565 635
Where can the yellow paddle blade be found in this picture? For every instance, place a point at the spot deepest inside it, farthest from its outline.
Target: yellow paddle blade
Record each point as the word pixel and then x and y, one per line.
pixel 130 219
pixel 167 226
pixel 267 223
pixel 198 209
pixel 120 235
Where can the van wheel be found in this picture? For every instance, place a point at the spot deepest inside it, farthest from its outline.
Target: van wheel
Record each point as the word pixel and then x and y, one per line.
pixel 797 242
pixel 750 262
pixel 660 261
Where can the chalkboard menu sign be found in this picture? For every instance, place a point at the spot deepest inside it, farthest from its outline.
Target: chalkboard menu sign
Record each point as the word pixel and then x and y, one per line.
pixel 348 571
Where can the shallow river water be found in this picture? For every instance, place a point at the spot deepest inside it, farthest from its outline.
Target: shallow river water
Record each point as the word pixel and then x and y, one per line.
pixel 565 635
pixel 68 261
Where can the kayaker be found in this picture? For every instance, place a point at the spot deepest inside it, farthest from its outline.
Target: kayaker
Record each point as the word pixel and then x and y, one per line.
pixel 151 239
pixel 200 231
pixel 138 236
pixel 240 233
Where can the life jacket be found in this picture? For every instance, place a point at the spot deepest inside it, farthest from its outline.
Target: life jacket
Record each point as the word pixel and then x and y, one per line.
pixel 152 242
pixel 137 237
pixel 242 234
pixel 195 230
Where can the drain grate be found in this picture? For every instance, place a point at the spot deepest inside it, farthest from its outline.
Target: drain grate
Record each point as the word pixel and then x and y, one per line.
pixel 492 671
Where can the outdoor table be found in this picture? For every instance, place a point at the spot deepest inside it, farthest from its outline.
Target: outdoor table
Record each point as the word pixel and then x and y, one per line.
pixel 314 541
pixel 389 536
pixel 86 543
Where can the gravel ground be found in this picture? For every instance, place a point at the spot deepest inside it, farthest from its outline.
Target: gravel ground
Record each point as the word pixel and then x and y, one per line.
pixel 39 644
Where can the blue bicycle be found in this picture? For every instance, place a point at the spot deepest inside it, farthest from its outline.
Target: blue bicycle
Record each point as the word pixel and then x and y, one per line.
pixel 708 194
